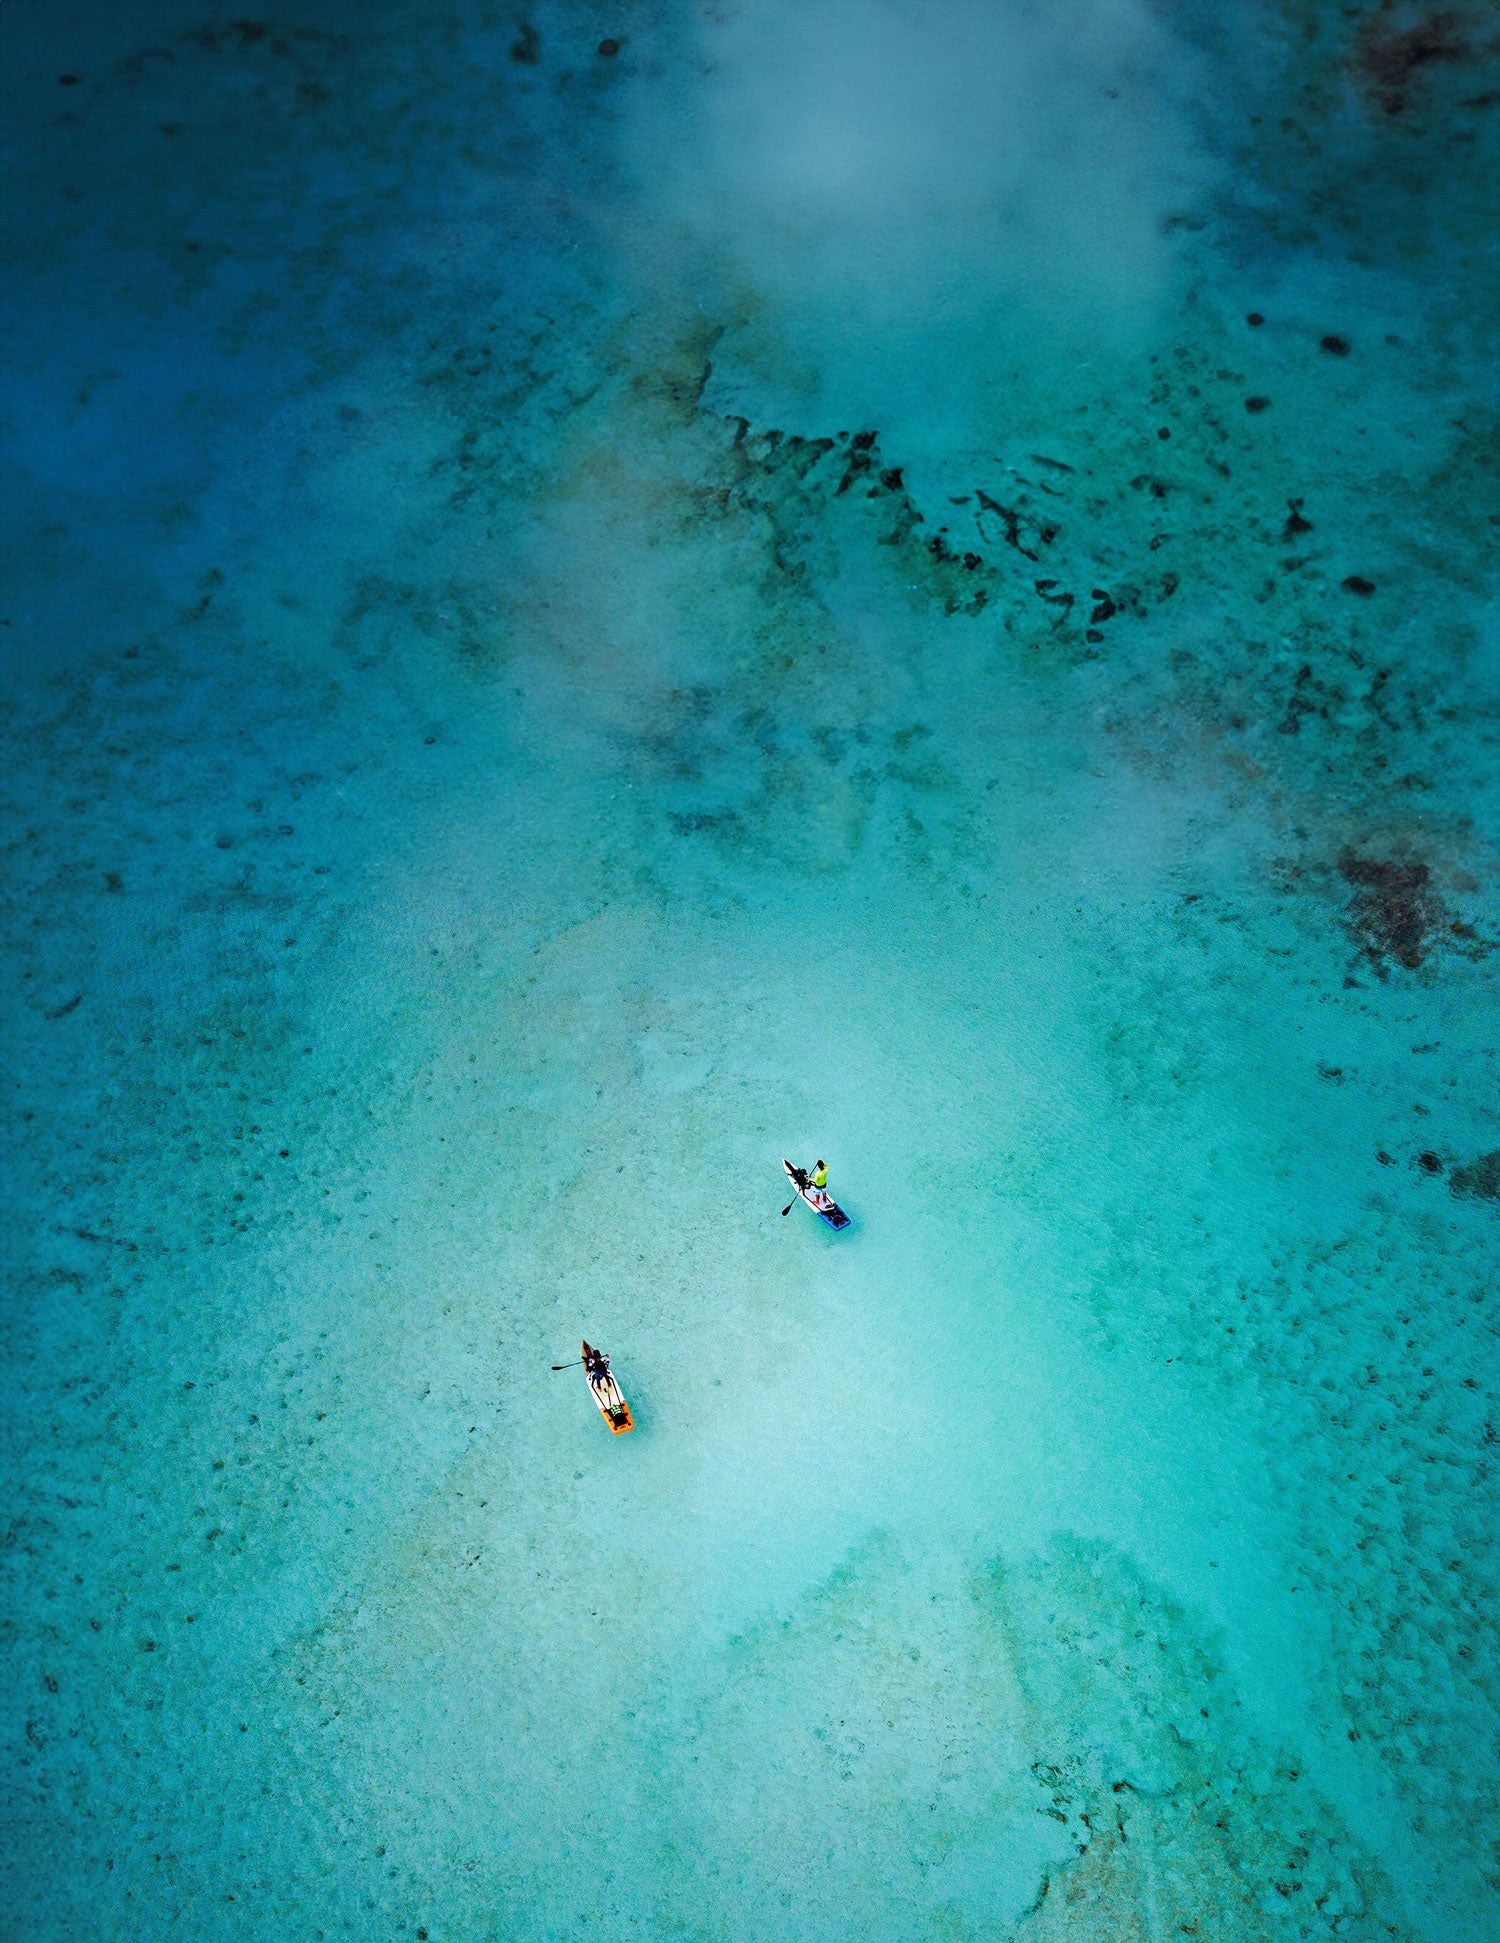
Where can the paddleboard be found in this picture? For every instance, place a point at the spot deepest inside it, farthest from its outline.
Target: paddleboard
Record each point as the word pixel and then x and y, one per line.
pixel 822 1205
pixel 611 1400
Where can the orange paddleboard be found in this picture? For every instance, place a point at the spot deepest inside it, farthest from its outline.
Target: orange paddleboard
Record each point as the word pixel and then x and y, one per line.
pixel 610 1398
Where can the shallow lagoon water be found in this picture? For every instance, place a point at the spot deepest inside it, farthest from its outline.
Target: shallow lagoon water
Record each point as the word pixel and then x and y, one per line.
pixel 581 622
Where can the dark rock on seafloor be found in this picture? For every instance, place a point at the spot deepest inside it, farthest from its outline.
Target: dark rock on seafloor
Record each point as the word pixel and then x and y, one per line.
pixel 1295 523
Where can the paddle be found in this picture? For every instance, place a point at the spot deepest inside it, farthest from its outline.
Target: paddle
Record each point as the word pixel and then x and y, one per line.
pixel 568 1366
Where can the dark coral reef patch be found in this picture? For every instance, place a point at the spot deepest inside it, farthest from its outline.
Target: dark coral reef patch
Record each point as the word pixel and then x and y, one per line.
pixel 1393 910
pixel 1479 1180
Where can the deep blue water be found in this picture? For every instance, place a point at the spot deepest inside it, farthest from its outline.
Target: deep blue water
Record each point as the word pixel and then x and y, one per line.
pixel 602 596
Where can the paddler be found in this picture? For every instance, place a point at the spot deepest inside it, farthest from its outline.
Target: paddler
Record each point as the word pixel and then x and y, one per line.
pixel 595 1365
pixel 819 1185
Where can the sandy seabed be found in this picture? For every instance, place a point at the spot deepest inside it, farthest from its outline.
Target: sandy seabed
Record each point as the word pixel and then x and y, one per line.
pixel 600 596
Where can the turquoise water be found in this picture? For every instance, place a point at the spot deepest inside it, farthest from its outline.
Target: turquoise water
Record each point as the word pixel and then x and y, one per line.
pixel 582 621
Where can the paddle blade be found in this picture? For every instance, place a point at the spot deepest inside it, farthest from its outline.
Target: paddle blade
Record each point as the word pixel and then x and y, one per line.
pixel 788 1208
